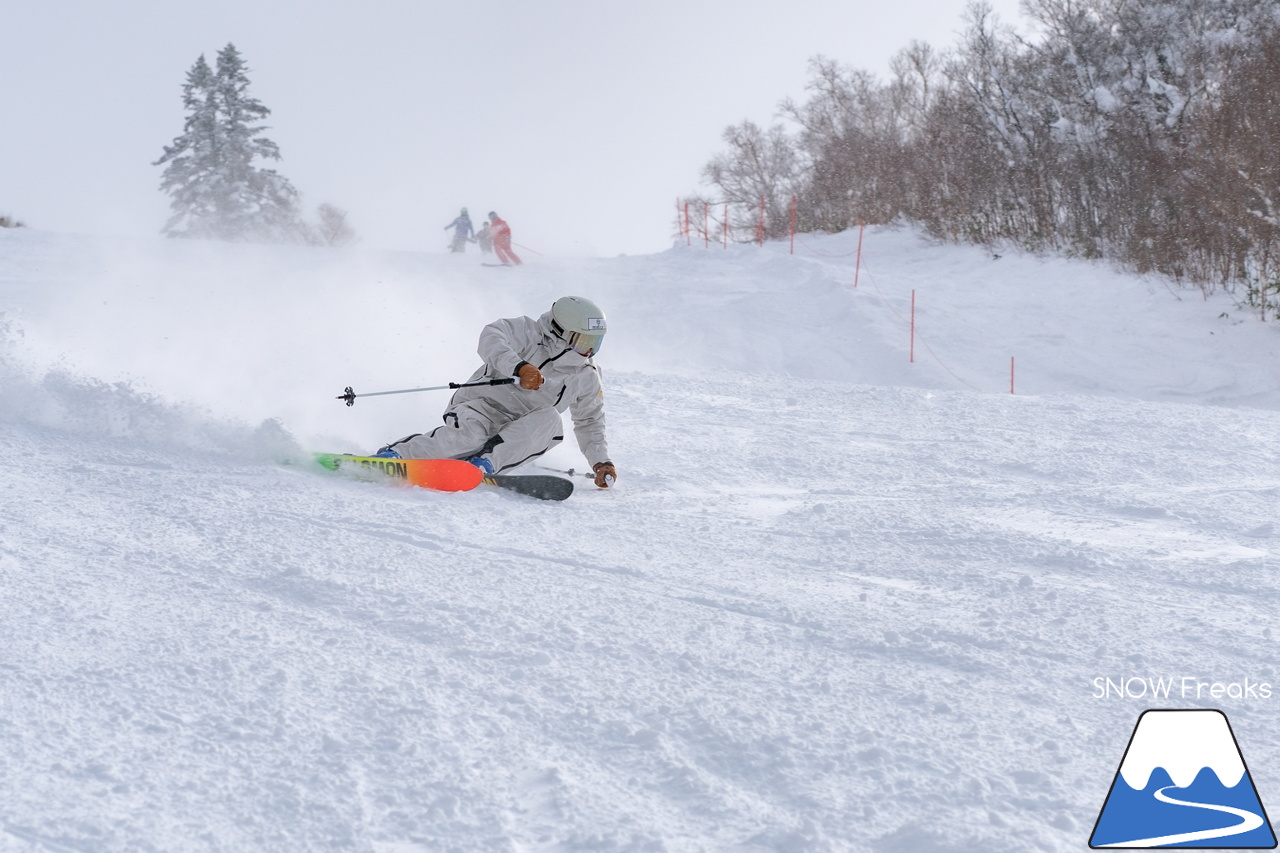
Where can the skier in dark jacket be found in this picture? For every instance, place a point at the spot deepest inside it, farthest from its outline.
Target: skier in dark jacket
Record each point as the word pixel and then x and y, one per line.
pixel 462 232
pixel 485 238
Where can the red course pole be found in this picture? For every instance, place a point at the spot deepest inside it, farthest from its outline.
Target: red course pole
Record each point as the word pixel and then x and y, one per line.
pixel 913 327
pixel 688 241
pixel 857 266
pixel 1010 374
pixel 793 225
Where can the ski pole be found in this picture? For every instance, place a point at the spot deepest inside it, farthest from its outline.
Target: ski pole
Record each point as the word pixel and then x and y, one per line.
pixel 571 472
pixel 350 396
pixel 574 473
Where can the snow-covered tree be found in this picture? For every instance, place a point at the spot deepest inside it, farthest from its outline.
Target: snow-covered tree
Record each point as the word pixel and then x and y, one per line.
pixel 333 229
pixel 760 164
pixel 1139 130
pixel 217 189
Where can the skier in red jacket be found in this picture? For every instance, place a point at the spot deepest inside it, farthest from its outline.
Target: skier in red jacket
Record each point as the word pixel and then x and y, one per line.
pixel 502 240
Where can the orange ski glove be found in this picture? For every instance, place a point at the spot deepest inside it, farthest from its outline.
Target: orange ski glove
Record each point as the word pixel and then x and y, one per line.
pixel 606 474
pixel 530 377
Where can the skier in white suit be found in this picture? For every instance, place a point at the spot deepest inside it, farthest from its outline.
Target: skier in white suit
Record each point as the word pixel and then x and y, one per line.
pixel 500 427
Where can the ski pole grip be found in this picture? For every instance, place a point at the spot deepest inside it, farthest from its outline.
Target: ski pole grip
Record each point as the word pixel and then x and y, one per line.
pixel 508 381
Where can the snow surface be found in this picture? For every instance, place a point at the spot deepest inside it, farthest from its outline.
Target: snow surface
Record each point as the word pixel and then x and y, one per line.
pixel 836 601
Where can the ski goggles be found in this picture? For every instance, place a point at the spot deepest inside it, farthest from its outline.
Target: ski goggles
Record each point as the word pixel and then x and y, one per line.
pixel 585 344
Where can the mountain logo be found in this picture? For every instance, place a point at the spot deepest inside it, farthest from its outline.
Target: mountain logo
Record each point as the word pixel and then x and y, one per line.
pixel 1183 783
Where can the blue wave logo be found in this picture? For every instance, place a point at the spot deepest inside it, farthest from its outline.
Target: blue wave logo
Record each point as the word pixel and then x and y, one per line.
pixel 1183 783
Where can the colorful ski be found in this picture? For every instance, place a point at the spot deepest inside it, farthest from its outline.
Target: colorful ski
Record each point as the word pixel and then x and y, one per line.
pixel 445 475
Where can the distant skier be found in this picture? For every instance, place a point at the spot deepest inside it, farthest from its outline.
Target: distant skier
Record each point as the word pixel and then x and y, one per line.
pixel 502 240
pixel 462 231
pixel 485 238
pixel 499 427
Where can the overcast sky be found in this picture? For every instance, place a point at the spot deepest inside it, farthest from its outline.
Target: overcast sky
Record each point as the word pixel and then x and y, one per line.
pixel 580 122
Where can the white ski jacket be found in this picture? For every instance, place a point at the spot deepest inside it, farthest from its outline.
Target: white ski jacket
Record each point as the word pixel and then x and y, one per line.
pixel 571 381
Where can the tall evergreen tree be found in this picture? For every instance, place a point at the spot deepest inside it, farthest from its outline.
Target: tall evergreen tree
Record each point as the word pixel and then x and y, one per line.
pixel 217 191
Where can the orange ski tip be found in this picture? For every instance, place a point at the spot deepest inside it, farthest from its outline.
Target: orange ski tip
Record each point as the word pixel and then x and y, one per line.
pixel 443 475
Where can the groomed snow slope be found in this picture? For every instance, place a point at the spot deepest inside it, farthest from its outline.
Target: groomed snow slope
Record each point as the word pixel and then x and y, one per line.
pixel 837 601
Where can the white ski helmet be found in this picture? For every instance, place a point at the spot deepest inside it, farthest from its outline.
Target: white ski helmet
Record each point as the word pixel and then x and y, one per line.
pixel 578 322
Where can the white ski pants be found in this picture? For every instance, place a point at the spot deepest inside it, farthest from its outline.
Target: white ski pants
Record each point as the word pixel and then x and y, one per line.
pixel 477 425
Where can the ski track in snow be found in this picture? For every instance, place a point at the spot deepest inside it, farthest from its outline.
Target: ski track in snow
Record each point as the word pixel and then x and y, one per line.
pixel 818 612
